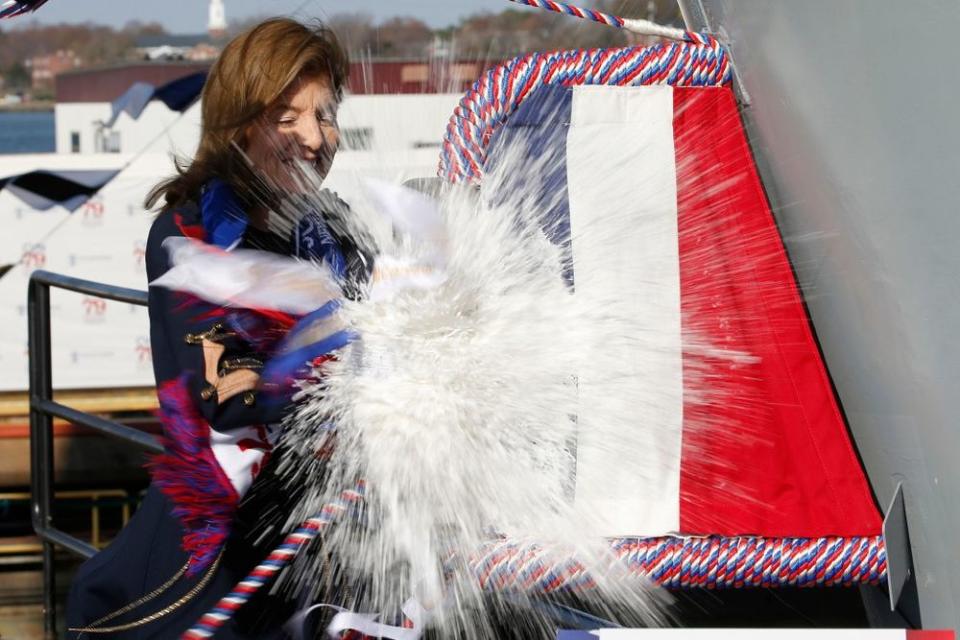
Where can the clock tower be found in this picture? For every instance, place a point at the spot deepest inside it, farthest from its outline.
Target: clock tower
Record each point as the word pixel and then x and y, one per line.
pixel 217 21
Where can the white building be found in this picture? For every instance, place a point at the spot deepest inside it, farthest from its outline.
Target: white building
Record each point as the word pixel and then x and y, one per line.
pixel 84 106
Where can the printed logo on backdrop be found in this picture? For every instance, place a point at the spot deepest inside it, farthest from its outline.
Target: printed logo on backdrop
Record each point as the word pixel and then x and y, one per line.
pixel 82 357
pixel 92 212
pixel 139 254
pixel 33 256
pixel 143 352
pixel 94 309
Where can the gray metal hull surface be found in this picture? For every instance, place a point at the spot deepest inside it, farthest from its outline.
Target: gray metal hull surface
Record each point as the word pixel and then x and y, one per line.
pixel 852 115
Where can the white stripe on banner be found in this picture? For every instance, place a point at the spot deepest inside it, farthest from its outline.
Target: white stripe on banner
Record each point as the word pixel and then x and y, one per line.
pixel 621 176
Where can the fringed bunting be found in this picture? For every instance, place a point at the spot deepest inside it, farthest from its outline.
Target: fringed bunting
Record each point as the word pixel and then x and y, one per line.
pixel 189 475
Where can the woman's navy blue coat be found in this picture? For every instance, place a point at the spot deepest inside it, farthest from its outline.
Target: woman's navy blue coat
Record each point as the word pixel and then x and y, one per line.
pixel 148 551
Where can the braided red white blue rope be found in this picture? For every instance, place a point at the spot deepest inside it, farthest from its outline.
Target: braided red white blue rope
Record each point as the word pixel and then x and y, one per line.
pixel 577 12
pixel 643 27
pixel 501 89
pixel 263 573
pixel 511 566
pixel 711 562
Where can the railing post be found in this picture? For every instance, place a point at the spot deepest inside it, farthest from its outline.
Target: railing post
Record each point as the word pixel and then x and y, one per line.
pixel 41 439
pixel 42 412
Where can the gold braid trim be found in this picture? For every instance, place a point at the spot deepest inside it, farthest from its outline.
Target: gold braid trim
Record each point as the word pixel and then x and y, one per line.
pixel 96 628
pixel 147 598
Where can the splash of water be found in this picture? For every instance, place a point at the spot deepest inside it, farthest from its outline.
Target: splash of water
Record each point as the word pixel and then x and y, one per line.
pixel 461 405
pixel 493 365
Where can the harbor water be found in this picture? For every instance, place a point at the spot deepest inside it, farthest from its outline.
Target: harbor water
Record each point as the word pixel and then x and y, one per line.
pixel 27 132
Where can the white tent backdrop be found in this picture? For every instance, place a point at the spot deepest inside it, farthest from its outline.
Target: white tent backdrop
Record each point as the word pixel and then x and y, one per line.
pixel 23 225
pixel 26 227
pixel 103 344
pixel 96 343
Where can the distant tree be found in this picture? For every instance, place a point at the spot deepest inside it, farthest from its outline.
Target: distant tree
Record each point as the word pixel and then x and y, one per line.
pixel 514 31
pixel 93 44
pixel 17 76
pixel 135 28
pixel 236 27
pixel 484 36
pixel 403 37
pixel 356 32
pixel 43 94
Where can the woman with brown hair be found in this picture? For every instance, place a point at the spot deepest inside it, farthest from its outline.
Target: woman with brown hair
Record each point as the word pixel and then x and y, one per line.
pixel 269 135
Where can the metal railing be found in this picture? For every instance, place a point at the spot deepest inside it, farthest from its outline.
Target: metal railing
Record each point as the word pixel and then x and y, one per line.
pixel 93 497
pixel 43 409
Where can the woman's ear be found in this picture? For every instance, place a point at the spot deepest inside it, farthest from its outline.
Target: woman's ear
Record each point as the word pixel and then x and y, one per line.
pixel 242 137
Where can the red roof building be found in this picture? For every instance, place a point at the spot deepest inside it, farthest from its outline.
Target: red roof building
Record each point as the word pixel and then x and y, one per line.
pixel 44 69
pixel 105 84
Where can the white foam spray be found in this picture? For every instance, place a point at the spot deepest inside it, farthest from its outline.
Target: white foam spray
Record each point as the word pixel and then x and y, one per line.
pixel 463 406
pixel 459 406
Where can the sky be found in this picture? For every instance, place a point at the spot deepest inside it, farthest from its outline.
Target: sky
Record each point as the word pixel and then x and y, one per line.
pixel 190 16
